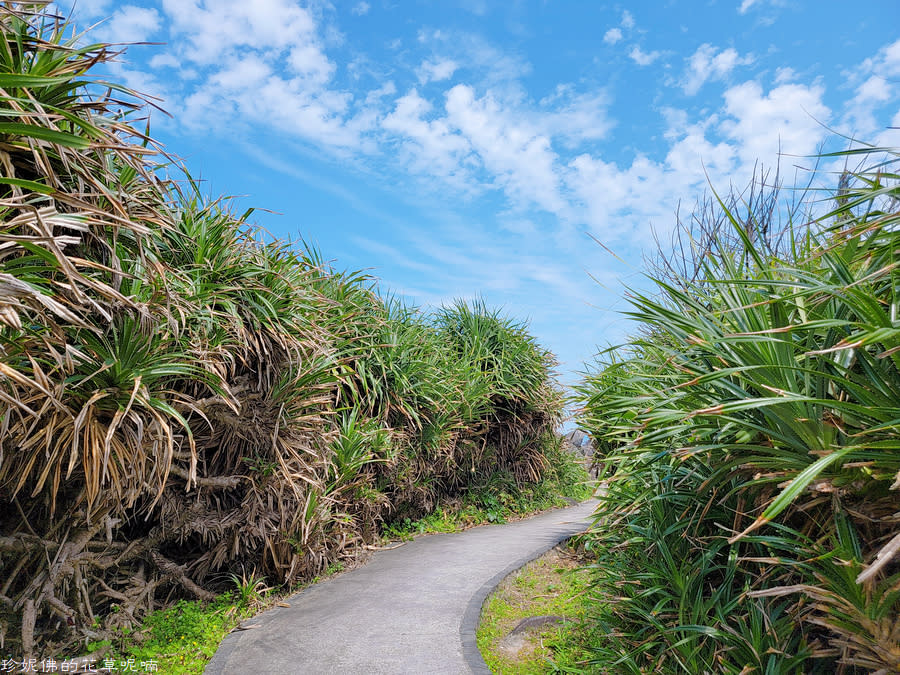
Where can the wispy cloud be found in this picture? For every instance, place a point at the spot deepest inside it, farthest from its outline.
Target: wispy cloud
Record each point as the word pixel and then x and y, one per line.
pixel 575 117
pixel 876 82
pixel 397 257
pixel 436 71
pixel 612 36
pixel 130 24
pixel 642 58
pixel 765 18
pixel 517 155
pixel 615 34
pixel 430 146
pixel 708 63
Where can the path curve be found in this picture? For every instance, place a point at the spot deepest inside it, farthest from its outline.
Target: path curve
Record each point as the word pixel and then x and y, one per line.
pixel 412 609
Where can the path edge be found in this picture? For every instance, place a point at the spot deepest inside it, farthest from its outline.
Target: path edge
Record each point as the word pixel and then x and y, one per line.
pixel 472 616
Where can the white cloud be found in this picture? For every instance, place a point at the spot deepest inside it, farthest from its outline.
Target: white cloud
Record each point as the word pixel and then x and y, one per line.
pixel 477 7
pixel 890 58
pixel 396 256
pixel 612 36
pixel 385 90
pixel 491 68
pixel 164 60
pixel 435 71
pixel 785 75
pixel 876 86
pixel 429 145
pixel 89 9
pixel 695 158
pixel 492 142
pixel 510 145
pixel 361 8
pixel 788 118
pixel 249 90
pixel 881 74
pixel 875 90
pixel 720 148
pixel 130 24
pixel 143 82
pixel 764 19
pixel 519 156
pixel 641 57
pixel 214 29
pixel 613 199
pixel 708 63
pixel 574 117
pixel 309 62
pixel 260 63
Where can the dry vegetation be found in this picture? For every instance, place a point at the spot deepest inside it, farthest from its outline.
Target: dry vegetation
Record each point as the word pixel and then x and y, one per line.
pixel 182 399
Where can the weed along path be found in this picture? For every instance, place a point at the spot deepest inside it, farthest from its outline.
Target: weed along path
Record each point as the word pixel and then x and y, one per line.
pixel 411 609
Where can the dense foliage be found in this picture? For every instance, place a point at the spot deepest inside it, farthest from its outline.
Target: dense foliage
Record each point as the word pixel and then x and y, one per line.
pixel 750 432
pixel 183 400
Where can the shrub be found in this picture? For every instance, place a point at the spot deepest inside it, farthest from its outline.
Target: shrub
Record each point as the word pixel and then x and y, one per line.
pixel 182 398
pixel 751 429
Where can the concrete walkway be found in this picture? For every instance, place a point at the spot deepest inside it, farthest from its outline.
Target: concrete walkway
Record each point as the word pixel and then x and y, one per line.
pixel 413 609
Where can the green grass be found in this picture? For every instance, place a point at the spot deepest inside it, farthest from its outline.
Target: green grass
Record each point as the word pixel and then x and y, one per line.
pixel 180 639
pixel 481 509
pixel 550 585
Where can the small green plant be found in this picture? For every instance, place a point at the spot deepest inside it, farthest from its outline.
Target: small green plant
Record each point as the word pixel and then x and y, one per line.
pixel 250 589
pixel 334 568
pixel 260 465
pixel 499 499
pixel 179 639
pixel 440 520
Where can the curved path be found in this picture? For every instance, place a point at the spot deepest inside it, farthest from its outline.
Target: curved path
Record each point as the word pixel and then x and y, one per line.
pixel 412 609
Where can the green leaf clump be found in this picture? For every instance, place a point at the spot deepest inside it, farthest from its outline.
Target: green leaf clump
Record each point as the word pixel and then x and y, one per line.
pixel 749 432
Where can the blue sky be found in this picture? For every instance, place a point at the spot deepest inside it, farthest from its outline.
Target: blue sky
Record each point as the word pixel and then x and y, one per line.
pixel 470 148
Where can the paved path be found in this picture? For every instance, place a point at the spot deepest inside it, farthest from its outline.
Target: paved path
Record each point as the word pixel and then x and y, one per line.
pixel 413 609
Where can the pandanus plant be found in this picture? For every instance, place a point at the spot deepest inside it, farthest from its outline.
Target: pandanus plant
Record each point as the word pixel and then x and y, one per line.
pixel 183 398
pixel 771 378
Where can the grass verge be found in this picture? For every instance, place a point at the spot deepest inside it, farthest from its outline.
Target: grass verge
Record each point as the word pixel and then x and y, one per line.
pixel 551 585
